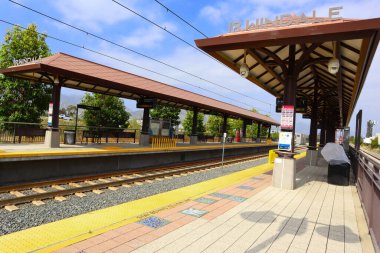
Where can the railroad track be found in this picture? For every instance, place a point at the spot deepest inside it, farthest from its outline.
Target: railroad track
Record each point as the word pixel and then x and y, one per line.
pixel 37 192
pixel 371 155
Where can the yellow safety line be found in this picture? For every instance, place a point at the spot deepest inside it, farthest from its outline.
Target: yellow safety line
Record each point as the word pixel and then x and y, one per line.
pixel 56 235
pixel 89 151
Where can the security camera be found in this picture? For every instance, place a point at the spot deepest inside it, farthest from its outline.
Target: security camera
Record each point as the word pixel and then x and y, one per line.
pixel 333 66
pixel 244 70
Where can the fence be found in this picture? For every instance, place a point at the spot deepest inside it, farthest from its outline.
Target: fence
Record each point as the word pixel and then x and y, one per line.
pixel 20 132
pixel 366 171
pixel 163 143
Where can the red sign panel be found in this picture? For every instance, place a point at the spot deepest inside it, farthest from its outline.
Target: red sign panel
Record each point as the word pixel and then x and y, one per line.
pixel 287 116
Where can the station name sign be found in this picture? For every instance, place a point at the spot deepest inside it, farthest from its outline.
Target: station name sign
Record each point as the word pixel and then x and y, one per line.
pixel 26 60
pixel 88 107
pixel 146 103
pixel 283 20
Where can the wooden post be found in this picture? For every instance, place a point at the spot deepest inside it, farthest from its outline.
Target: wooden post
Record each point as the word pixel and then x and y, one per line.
pixel 291 87
pixel 313 121
pixel 146 120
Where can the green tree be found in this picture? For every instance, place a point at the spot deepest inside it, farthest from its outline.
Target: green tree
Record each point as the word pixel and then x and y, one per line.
pixel 112 111
pixel 71 110
pixel 252 128
pixel 275 135
pixel 188 122
pixel 62 110
pixel 134 124
pixel 233 125
pixel 166 112
pixel 375 142
pixel 214 125
pixel 23 101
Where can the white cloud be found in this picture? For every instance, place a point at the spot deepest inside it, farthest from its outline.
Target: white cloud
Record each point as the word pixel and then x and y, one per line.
pixel 147 37
pixel 215 14
pixel 93 14
pixel 188 59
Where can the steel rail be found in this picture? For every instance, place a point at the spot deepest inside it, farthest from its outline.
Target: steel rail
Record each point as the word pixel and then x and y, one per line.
pixel 20 187
pixel 103 185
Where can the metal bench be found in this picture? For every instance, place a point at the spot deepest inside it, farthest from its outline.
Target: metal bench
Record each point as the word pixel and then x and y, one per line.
pixel 98 135
pixel 28 132
pixel 94 135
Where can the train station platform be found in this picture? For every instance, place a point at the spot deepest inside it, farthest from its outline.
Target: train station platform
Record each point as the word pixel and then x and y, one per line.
pixel 36 162
pixel 40 150
pixel 240 212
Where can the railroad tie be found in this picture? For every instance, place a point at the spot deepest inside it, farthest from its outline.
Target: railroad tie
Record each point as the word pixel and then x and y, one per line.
pixel 11 208
pixel 90 182
pixel 38 190
pixel 75 185
pixel 104 180
pixel 97 191
pixel 57 187
pixel 112 188
pixel 60 198
pixel 38 202
pixel 80 194
pixel 17 193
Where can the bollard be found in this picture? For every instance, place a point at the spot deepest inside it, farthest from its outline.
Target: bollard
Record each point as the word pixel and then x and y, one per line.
pixel 271 156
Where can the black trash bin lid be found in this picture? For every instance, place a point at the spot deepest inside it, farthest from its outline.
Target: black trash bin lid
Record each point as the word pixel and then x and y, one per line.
pixel 337 162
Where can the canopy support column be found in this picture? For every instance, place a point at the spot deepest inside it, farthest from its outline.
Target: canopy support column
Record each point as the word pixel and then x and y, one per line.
pixel 312 153
pixel 224 127
pixel 144 136
pixel 284 171
pixel 194 127
pixel 244 130
pixel 52 139
pixel 258 133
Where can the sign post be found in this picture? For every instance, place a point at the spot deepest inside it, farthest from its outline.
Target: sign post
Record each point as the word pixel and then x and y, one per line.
pixel 50 115
pixel 223 141
pixel 285 141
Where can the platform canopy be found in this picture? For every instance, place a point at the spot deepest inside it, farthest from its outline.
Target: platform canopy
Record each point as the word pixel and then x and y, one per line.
pixel 265 49
pixel 72 72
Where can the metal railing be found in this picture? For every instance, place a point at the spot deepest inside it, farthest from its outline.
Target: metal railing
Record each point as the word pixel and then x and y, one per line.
pixel 366 170
pixel 21 132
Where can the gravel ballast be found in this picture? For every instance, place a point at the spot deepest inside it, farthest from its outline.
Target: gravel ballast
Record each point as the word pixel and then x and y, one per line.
pixel 30 215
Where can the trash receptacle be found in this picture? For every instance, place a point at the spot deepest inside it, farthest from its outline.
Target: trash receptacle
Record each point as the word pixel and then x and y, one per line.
pixel 69 137
pixel 338 172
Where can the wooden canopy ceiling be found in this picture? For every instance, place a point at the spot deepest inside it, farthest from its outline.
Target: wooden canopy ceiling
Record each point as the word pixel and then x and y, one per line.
pixel 352 42
pixel 76 73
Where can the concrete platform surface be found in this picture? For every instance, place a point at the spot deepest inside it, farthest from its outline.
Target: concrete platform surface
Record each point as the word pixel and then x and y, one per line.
pixel 249 216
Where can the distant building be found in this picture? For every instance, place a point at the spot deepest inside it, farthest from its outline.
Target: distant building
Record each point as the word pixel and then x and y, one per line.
pixel 300 139
pixel 370 139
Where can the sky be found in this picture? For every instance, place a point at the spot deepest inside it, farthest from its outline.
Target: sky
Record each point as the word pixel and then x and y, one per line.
pixel 109 20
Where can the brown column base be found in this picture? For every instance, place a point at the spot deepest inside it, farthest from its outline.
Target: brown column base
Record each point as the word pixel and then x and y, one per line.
pixel 284 173
pixel 144 139
pixel 312 157
pixel 193 139
pixel 52 139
